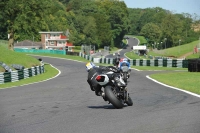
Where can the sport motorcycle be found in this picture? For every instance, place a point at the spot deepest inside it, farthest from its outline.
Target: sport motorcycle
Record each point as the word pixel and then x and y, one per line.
pixel 115 89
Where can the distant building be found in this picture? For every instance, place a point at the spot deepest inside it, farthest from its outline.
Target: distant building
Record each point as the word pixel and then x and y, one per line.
pixel 55 40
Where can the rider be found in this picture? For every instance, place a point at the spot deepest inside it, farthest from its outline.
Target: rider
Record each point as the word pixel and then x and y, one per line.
pixel 124 62
pixel 116 60
pixel 93 72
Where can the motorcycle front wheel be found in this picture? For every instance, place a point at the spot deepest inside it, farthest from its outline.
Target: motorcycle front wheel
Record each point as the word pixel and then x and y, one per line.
pixel 125 77
pixel 112 98
pixel 129 102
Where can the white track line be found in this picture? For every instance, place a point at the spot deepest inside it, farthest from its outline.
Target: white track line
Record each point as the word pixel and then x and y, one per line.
pixel 193 94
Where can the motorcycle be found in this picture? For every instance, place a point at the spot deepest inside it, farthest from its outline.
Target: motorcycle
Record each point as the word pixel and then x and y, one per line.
pixel 115 89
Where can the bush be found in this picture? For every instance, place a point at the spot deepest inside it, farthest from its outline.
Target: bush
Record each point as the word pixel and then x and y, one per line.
pixel 77 48
pixel 73 53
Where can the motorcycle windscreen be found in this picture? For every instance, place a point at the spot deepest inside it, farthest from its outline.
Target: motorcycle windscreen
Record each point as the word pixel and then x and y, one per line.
pixel 124 68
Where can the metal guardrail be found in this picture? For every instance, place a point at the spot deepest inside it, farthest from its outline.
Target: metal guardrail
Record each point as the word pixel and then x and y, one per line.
pixel 17 75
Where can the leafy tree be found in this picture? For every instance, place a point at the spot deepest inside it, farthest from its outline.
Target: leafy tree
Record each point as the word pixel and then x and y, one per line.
pixel 24 19
pixel 103 27
pixel 118 18
pixel 152 32
pixel 172 29
pixel 134 16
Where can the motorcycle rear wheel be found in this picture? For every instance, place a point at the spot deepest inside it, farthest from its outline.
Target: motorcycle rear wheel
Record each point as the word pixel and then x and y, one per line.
pixel 112 98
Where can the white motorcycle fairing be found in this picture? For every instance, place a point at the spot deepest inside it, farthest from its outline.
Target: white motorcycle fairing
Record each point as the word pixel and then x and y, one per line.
pixel 103 79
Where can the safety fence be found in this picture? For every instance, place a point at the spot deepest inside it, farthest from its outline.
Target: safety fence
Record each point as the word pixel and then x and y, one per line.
pixel 49 51
pixel 20 74
pixel 180 63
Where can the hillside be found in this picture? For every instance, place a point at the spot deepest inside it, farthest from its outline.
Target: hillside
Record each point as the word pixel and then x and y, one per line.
pixel 179 52
pixel 10 57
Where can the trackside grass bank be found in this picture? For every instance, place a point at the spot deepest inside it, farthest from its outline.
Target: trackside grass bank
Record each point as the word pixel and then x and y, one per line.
pixel 183 80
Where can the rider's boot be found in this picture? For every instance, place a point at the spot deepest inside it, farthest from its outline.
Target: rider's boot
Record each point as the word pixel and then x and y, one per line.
pixel 101 93
pixel 104 96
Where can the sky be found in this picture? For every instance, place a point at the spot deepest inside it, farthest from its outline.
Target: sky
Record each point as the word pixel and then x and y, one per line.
pixel 176 6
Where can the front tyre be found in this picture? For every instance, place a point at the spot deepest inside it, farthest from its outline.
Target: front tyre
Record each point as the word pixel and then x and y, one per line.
pixel 129 102
pixel 112 98
pixel 125 77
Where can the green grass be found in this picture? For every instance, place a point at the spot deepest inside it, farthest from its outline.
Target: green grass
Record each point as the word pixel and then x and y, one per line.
pixel 192 56
pixel 140 38
pixel 124 41
pixel 169 52
pixel 183 80
pixel 49 73
pixel 176 51
pixel 76 58
pixel 10 57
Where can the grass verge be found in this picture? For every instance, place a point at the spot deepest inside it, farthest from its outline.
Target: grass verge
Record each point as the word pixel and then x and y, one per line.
pixel 183 80
pixel 71 57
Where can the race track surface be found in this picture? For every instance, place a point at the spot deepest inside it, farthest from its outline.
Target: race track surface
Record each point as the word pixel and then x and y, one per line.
pixel 131 42
pixel 66 104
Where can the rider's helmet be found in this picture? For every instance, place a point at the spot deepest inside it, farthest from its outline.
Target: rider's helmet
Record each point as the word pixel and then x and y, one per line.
pixel 118 54
pixel 89 66
pixel 125 59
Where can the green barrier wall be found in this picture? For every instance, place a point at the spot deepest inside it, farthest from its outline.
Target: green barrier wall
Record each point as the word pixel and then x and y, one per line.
pixel 63 52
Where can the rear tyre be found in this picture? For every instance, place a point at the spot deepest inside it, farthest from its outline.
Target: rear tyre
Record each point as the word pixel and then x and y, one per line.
pixel 112 98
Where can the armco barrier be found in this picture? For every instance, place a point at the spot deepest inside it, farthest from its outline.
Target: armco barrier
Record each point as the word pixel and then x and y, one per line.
pixel 179 63
pixel 20 74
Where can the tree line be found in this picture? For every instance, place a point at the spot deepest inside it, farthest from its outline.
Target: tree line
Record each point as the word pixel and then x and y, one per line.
pixel 93 22
pixel 163 28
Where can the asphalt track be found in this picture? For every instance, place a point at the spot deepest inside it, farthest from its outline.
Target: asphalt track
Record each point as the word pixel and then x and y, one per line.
pixel 131 42
pixel 66 104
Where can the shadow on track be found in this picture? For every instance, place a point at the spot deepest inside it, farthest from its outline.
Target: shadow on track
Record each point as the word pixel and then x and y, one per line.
pixel 102 107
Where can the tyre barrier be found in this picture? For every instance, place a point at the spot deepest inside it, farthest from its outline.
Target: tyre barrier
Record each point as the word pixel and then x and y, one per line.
pixel 194 65
pixel 17 75
pixel 179 63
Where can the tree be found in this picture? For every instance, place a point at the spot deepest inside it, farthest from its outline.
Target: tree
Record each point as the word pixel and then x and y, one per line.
pixel 172 29
pixel 118 18
pixel 152 32
pixel 24 19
